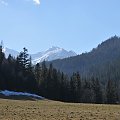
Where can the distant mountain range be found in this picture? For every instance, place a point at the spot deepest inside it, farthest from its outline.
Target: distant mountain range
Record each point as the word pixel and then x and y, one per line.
pixel 52 53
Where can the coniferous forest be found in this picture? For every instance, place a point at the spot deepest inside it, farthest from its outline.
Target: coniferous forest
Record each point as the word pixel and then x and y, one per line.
pixel 18 74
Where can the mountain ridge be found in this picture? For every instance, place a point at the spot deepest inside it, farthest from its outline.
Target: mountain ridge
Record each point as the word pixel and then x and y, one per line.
pixel 94 62
pixel 48 55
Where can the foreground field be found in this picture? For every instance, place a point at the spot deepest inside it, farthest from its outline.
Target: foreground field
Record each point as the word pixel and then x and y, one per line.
pixel 51 110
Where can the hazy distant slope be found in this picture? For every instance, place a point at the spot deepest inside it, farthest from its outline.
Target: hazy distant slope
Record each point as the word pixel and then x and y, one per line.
pixel 8 51
pixel 91 62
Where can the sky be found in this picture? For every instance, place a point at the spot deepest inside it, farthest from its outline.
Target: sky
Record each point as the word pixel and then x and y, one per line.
pixel 77 25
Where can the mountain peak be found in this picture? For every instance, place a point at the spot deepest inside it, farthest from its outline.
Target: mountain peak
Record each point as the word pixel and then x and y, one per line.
pixel 52 53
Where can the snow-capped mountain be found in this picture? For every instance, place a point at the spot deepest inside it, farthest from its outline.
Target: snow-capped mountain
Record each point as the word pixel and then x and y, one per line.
pixel 8 51
pixel 52 53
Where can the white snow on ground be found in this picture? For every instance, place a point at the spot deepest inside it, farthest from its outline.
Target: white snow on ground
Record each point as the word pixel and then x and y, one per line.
pixel 10 93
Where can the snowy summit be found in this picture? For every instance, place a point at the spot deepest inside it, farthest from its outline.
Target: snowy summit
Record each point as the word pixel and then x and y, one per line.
pixel 52 53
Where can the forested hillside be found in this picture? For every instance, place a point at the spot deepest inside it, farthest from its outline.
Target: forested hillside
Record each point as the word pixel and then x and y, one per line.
pixel 94 77
pixel 101 62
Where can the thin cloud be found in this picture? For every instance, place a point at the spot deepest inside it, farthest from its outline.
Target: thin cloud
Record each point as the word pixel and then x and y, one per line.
pixel 3 2
pixel 37 2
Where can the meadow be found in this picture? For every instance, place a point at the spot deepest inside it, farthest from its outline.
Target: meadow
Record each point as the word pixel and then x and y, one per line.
pixel 53 110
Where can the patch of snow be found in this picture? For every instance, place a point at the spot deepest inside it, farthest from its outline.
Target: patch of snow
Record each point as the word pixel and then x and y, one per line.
pixel 10 93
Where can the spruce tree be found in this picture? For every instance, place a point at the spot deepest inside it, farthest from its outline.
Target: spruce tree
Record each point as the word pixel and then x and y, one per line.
pixel 2 55
pixel 111 92
pixel 97 90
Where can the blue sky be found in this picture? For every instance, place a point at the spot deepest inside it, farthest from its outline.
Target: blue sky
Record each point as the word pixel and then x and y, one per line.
pixel 77 25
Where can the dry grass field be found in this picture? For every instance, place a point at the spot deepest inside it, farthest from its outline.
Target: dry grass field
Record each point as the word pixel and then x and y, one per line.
pixel 52 110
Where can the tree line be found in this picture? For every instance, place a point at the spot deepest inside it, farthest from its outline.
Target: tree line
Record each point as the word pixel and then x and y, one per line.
pixel 18 74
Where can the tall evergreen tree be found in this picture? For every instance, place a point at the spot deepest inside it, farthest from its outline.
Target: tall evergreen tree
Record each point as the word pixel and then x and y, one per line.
pixel 79 87
pixel 2 55
pixel 111 92
pixel 97 90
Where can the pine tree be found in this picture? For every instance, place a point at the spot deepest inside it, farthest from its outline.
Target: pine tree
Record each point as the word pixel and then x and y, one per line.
pixel 23 60
pixel 88 95
pixel 97 90
pixel 37 73
pixel 26 60
pixel 79 87
pixel 111 92
pixel 44 81
pixel 2 55
pixel 73 87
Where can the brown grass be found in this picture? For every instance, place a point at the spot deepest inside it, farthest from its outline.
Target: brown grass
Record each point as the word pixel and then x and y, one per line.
pixel 52 110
